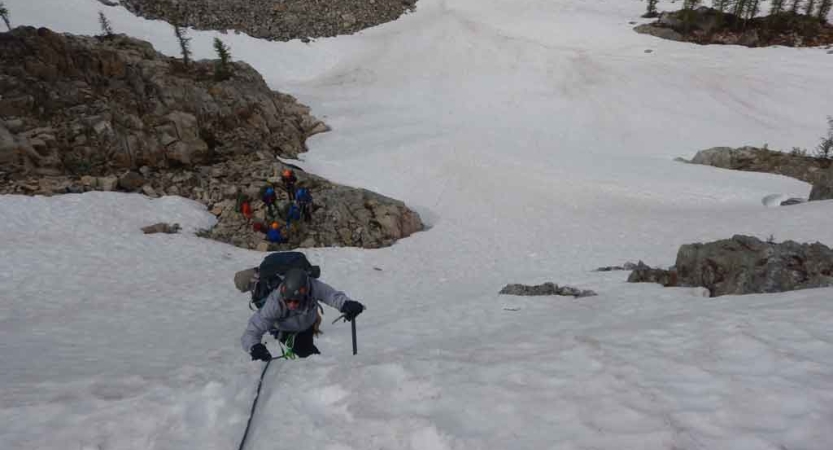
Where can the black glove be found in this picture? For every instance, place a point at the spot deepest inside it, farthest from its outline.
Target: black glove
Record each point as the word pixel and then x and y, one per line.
pixel 351 309
pixel 260 352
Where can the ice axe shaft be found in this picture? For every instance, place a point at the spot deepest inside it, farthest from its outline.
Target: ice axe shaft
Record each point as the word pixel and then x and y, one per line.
pixel 353 329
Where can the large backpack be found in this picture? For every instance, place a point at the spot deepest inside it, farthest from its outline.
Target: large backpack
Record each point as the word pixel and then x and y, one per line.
pixel 264 279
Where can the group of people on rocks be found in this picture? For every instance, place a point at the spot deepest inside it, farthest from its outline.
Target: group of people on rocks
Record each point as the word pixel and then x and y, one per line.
pixel 299 208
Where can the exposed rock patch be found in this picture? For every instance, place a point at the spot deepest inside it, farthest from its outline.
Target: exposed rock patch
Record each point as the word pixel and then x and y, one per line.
pixel 626 266
pixel 161 227
pixel 643 273
pixel 545 289
pixel 818 172
pixel 746 265
pixel 79 114
pixel 708 26
pixel 277 20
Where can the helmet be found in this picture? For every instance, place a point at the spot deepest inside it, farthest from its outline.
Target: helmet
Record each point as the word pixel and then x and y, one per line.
pixel 295 285
pixel 287 173
pixel 275 225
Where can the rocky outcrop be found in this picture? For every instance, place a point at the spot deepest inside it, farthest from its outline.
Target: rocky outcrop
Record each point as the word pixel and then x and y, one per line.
pixel 823 187
pixel 708 26
pixel 87 106
pixel 277 20
pixel 643 273
pixel 545 289
pixel 811 170
pixel 746 265
pixel 340 216
pixel 80 114
pixel 660 32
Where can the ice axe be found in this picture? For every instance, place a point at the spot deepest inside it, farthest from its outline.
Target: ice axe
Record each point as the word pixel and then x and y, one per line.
pixel 352 329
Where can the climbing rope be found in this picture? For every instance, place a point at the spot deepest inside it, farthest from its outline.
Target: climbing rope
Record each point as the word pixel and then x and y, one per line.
pixel 286 353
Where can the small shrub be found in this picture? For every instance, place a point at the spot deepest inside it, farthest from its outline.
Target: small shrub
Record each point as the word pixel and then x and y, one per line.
pixel 824 150
pixel 4 14
pixel 222 70
pixel 106 29
pixel 651 9
pixel 184 44
pixel 824 10
pixel 720 5
pixel 794 6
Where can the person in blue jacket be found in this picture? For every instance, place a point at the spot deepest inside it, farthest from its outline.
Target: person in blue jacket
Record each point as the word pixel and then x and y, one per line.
pixel 293 214
pixel 304 199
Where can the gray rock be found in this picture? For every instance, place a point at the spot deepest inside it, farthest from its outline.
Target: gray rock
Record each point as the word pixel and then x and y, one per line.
pixel 8 146
pixel 131 181
pixel 89 181
pixel 793 201
pixel 821 191
pixel 823 187
pixel 643 273
pixel 149 191
pixel 545 289
pixel 14 125
pixel 161 228
pixel 754 159
pixel 627 266
pixel 108 184
pixel 660 32
pixel 745 264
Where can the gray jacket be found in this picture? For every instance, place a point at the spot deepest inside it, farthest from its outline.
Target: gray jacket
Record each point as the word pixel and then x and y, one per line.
pixel 275 313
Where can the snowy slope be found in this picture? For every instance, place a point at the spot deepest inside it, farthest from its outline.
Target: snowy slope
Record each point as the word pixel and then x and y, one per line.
pixel 537 139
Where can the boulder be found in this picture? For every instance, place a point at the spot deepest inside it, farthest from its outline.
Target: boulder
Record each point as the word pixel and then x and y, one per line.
pixel 161 227
pixel 752 159
pixel 745 264
pixel 97 106
pixel 643 273
pixel 823 187
pixel 547 288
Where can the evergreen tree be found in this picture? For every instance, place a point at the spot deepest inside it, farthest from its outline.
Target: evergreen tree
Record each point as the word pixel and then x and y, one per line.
pixel 4 14
pixel 824 9
pixel 753 7
pixel 690 4
pixel 825 148
pixel 223 69
pixel 651 10
pixel 739 7
pixel 721 5
pixel 106 29
pixel 794 6
pixel 810 7
pixel 184 44
pixel 776 7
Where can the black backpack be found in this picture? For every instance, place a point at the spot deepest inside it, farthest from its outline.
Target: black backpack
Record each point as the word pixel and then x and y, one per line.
pixel 268 276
